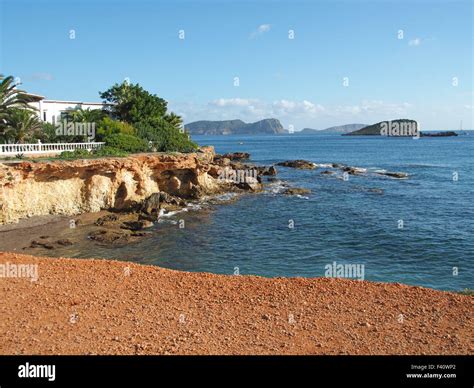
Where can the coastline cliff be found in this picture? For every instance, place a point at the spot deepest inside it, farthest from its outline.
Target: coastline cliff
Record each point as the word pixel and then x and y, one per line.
pixel 73 187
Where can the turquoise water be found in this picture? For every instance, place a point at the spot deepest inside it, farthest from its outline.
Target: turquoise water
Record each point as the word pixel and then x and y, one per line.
pixel 342 221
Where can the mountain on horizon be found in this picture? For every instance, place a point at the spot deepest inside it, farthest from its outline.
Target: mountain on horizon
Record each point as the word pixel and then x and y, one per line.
pixel 235 127
pixel 338 129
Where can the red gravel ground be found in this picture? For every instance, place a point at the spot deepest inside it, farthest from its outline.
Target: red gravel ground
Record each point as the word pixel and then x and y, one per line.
pixel 86 306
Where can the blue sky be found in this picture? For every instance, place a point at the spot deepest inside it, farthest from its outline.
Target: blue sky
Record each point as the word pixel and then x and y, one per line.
pixel 299 81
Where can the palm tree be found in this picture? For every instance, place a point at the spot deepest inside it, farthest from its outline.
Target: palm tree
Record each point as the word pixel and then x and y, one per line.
pixel 84 115
pixel 21 125
pixel 175 120
pixel 11 98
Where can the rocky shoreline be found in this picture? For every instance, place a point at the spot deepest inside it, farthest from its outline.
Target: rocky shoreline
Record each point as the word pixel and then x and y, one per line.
pixel 90 306
pixel 29 189
pixel 118 201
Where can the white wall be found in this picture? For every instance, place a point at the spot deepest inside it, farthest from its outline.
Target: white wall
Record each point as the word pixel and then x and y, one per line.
pixel 50 110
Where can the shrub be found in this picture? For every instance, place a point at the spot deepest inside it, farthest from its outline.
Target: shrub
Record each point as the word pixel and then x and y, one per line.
pixel 76 154
pixel 164 136
pixel 109 151
pixel 47 134
pixel 108 127
pixel 127 143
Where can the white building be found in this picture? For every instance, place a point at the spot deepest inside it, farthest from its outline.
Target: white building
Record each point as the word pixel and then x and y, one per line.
pixel 50 110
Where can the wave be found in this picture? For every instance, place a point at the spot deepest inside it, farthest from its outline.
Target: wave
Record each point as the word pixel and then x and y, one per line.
pixel 166 214
pixel 301 196
pixel 416 165
pixel 276 187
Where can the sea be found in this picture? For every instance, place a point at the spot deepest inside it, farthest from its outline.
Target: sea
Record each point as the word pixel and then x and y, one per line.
pixel 417 231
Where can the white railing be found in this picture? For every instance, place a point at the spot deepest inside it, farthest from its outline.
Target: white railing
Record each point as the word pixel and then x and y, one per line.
pixel 45 148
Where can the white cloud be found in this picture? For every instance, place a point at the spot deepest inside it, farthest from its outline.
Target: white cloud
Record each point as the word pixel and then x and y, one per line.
pixel 262 29
pixel 414 42
pixel 288 108
pixel 232 102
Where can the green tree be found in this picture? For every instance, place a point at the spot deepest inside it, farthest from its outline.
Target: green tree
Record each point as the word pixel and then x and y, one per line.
pixel 22 124
pixel 84 115
pixel 131 103
pixel 175 120
pixel 147 113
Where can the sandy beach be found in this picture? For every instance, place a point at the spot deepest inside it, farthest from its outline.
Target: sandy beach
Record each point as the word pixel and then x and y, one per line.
pixel 88 306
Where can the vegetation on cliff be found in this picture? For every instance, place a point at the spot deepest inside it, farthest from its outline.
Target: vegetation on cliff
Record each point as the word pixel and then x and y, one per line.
pixel 134 121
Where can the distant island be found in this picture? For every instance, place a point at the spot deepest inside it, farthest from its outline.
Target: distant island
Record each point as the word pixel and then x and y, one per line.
pixel 235 127
pixel 438 134
pixel 397 128
pixel 376 129
pixel 339 129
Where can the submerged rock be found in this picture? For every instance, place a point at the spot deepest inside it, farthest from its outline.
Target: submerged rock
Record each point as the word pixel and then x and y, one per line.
pixel 236 155
pixel 296 191
pixel 267 171
pixel 327 172
pixel 147 217
pixel 151 206
pixel 137 225
pixel 300 164
pixel 64 242
pixel 250 184
pixel 375 190
pixel 105 219
pixel 109 237
pixel 354 170
pixel 398 175
pixel 38 244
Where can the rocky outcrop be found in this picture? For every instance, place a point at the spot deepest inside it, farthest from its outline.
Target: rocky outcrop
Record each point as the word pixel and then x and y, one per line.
pixel 300 164
pixel 233 156
pixel 296 191
pixel 398 175
pixel 354 170
pixel 327 172
pixel 72 187
pixel 438 134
